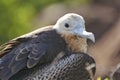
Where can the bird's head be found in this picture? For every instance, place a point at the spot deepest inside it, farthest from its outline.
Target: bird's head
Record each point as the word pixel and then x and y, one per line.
pixel 73 24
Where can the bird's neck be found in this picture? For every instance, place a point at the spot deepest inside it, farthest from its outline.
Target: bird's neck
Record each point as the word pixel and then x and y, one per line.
pixel 76 44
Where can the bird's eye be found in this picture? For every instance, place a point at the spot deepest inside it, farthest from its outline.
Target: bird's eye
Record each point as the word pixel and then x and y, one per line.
pixel 67 25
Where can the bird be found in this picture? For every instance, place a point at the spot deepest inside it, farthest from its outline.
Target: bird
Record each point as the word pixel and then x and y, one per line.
pixel 47 46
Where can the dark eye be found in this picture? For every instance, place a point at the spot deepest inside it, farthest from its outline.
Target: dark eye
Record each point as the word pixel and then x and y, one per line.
pixel 67 25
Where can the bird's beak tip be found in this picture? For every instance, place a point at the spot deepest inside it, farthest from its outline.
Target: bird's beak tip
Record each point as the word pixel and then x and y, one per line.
pixel 88 35
pixel 91 37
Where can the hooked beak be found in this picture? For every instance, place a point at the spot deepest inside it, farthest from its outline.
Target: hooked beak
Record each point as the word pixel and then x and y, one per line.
pixel 85 34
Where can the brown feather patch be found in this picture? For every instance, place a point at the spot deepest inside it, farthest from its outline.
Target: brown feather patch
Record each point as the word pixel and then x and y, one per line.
pixel 75 43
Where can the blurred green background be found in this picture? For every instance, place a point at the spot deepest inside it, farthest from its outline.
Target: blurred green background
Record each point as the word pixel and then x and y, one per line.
pixel 17 16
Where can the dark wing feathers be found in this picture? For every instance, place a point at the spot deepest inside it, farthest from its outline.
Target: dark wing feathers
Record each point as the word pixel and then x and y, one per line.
pixel 28 51
pixel 36 54
pixel 36 50
pixel 7 47
pixel 22 55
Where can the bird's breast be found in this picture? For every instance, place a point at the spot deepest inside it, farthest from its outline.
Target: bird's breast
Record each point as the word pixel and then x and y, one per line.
pixel 76 44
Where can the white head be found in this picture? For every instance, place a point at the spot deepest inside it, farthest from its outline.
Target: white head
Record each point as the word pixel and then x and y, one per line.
pixel 73 24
